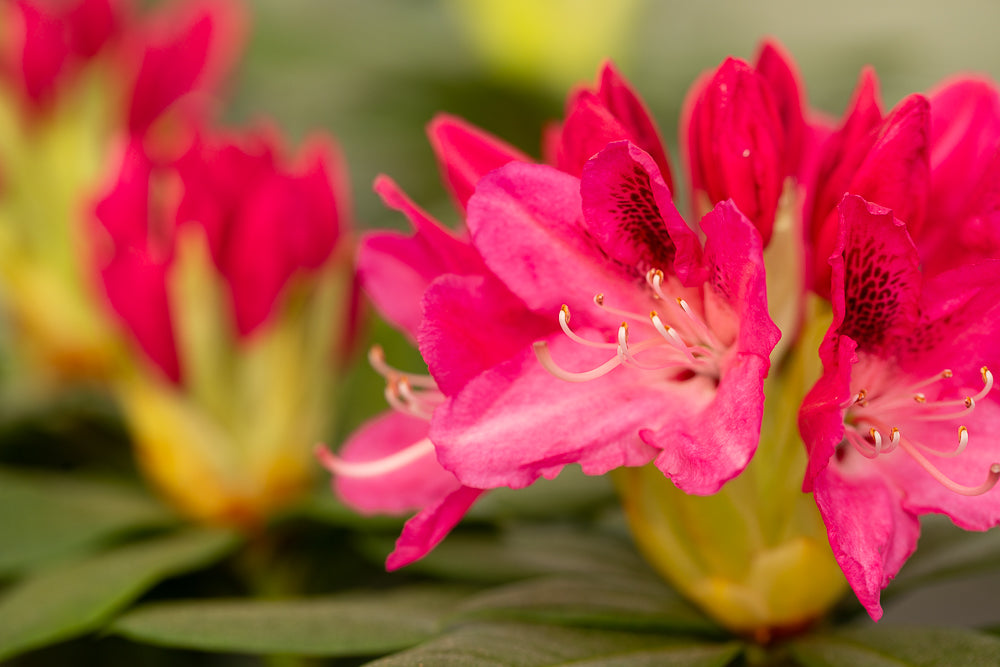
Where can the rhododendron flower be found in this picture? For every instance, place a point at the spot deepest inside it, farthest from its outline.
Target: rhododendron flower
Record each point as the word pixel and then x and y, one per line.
pixel 397 270
pixel 77 80
pixel 685 326
pixel 222 267
pixel 901 422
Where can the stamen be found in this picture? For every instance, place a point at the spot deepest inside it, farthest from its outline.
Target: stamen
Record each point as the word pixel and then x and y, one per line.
pixel 699 324
pixel 545 359
pixel 963 442
pixel 576 338
pixel 376 357
pixel 991 478
pixel 397 391
pixel 858 399
pixel 877 437
pixel 671 336
pixel 377 467
pixel 860 444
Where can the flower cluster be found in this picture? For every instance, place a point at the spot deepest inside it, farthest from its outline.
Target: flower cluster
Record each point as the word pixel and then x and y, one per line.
pixel 196 272
pixel 78 79
pixel 579 317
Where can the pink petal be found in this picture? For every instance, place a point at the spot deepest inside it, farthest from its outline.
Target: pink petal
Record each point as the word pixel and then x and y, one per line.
pixel 735 265
pixel 136 289
pixel 871 534
pixel 959 317
pixel 466 154
pixel 836 163
pixel 629 211
pixel 472 323
pixel 876 276
pixel 515 422
pixel 624 104
pixel 418 484
pixel 396 269
pixel 426 530
pixel 778 69
pixel 256 262
pixel 965 132
pixel 821 417
pixel 44 49
pixel 93 23
pixel 185 48
pixel 702 449
pixel 588 127
pixel 527 223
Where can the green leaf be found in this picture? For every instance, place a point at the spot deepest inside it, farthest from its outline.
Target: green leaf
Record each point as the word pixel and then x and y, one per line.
pixel 897 646
pixel 946 552
pixel 517 645
pixel 571 493
pixel 75 598
pixel 370 623
pixel 527 551
pixel 611 602
pixel 47 516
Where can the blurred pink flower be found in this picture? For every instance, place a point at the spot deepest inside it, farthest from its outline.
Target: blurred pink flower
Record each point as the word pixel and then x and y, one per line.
pixel 265 222
pixel 162 56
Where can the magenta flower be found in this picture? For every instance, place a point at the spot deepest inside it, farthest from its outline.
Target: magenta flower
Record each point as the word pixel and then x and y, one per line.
pixel 669 343
pixel 898 424
pixel 374 475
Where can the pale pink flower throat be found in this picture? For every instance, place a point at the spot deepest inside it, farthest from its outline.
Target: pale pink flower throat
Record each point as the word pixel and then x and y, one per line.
pixel 687 343
pixel 869 415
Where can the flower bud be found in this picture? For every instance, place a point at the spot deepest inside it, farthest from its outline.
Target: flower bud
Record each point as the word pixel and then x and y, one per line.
pixel 233 289
pixel 883 160
pixel 740 143
pixel 71 75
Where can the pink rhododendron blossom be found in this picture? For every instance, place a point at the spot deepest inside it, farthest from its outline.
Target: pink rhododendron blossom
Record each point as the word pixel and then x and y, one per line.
pixel 660 318
pixel 900 423
pixel 264 222
pixel 162 56
pixel 397 270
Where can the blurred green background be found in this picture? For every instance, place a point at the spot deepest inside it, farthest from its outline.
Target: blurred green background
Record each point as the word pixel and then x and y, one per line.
pixel 373 73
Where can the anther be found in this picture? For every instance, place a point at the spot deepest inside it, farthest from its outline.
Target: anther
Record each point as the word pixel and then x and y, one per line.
pixel 599 299
pixel 920 398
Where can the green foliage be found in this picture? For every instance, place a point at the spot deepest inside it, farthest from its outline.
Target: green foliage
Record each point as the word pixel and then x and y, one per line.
pixel 898 646
pixel 357 623
pixel 73 598
pixel 516 645
pixel 49 516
